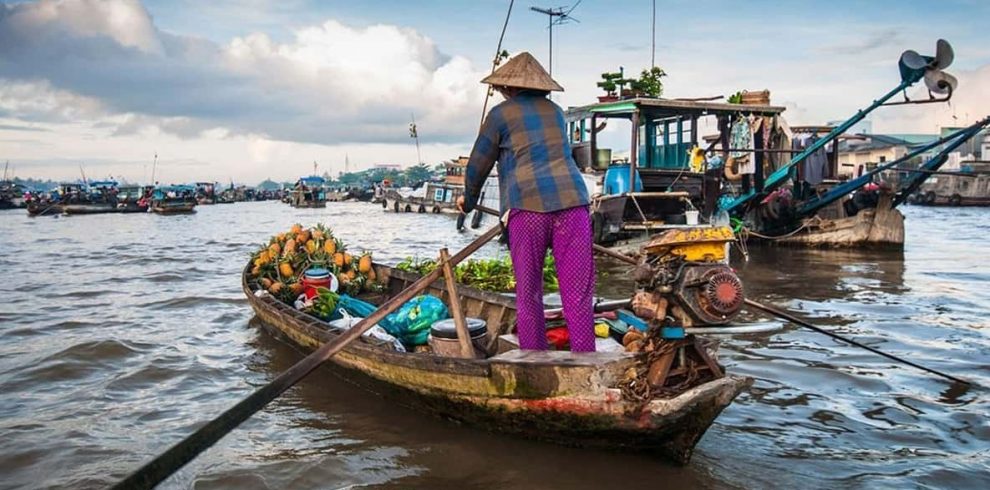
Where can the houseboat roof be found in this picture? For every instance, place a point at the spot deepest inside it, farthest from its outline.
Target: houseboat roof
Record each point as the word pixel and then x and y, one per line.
pixel 667 107
pixel 104 183
pixel 312 179
pixel 175 187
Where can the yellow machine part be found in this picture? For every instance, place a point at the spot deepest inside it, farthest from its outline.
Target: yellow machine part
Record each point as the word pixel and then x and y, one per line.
pixel 699 244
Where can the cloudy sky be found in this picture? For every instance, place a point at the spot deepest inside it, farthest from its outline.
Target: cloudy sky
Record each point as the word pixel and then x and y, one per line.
pixel 251 89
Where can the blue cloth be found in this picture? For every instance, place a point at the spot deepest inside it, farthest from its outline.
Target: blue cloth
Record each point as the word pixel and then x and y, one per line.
pixel 410 323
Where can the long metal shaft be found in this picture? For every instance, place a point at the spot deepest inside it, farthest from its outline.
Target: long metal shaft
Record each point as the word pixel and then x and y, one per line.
pixel 797 321
pixel 916 180
pixel 952 141
pixel 160 468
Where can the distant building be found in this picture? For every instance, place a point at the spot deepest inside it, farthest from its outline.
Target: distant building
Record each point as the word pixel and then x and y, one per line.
pixel 859 153
pixel 974 148
pixel 388 166
pixel 454 170
pixel 863 127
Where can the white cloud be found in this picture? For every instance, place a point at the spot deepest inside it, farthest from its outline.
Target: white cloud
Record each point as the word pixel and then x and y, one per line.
pixel 330 84
pixel 124 21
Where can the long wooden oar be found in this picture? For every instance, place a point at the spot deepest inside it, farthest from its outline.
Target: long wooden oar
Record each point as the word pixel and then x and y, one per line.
pixel 177 456
pixel 787 316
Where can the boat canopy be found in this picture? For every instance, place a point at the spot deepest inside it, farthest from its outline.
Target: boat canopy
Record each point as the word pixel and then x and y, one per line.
pixel 671 126
pixel 175 188
pixel 104 183
pixel 659 108
pixel 312 180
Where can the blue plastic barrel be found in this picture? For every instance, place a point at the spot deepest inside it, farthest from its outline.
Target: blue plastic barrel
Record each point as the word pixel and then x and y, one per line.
pixel 617 180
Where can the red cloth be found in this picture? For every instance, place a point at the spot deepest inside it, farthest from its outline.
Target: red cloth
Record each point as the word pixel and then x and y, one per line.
pixel 558 338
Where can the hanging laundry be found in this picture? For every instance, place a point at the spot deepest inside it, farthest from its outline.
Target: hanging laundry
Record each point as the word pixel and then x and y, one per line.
pixel 741 137
pixel 815 166
pixel 744 140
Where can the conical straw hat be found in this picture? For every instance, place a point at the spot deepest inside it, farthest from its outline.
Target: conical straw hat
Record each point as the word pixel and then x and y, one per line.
pixel 523 71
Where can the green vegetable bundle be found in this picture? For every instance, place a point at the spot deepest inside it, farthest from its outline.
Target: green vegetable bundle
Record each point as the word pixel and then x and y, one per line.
pixel 485 274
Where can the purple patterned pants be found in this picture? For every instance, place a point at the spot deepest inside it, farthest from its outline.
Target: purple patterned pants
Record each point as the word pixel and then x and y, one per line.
pixel 568 233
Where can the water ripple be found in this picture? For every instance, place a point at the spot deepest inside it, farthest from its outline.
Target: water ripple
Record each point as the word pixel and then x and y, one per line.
pixel 123 333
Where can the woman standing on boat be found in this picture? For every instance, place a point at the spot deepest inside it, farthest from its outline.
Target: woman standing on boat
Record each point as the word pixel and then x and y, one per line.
pixel 543 198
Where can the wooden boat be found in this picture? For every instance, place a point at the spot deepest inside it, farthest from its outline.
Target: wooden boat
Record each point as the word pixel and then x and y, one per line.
pixel 43 208
pixel 309 192
pixel 430 197
pixel 879 227
pixel 957 190
pixel 89 208
pixel 173 206
pixel 661 186
pixel 174 199
pixel 554 396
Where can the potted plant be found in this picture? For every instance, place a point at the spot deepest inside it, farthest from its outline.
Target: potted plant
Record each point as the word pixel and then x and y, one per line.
pixel 609 83
pixel 649 83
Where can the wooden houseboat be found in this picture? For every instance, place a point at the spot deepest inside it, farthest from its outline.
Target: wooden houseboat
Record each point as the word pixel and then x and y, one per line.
pixel 174 199
pixel 206 193
pixel 432 197
pixel 309 192
pixel 134 198
pixel 957 190
pixel 665 181
pixel 12 195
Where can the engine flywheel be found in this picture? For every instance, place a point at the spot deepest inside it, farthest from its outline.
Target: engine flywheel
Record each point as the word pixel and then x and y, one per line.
pixel 724 293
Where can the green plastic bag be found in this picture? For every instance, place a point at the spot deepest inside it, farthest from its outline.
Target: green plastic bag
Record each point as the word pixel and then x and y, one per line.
pixel 411 323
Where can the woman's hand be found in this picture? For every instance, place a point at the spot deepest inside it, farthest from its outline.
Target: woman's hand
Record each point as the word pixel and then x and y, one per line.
pixel 460 204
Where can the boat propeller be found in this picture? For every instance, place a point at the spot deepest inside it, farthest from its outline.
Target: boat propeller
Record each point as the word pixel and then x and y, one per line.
pixel 915 67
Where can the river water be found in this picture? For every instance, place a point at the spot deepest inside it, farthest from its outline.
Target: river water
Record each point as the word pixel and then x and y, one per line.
pixel 120 334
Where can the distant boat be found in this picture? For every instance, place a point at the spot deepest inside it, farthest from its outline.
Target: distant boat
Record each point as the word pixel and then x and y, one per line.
pixel 98 197
pixel 11 195
pixel 309 192
pixel 174 199
pixel 957 190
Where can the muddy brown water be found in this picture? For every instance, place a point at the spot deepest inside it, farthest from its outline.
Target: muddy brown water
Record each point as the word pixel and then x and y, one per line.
pixel 120 334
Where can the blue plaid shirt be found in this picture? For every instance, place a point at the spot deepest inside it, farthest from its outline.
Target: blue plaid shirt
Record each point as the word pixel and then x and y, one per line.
pixel 527 136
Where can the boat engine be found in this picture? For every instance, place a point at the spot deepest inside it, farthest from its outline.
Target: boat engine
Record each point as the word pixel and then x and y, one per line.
pixel 685 276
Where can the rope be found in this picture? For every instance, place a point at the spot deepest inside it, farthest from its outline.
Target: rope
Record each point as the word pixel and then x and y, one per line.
pixel 646 223
pixel 636 386
pixel 746 231
pixel 495 61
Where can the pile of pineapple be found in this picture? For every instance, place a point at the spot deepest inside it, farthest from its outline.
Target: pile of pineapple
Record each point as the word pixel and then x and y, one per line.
pixel 278 267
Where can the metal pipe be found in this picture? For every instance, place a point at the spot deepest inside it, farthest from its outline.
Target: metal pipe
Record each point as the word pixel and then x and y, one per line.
pixel 634 151
pixel 798 321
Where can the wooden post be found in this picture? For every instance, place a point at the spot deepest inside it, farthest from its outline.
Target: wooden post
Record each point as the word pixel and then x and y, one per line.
pixel 634 151
pixel 463 336
pixel 593 138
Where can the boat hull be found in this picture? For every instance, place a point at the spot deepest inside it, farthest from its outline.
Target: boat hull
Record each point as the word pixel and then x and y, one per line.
pixel 880 227
pixel 183 209
pixel 558 397
pixel 309 204
pixel 89 209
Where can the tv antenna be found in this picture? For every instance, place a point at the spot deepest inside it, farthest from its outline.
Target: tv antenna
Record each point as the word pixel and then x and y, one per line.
pixel 555 17
pixel 414 133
